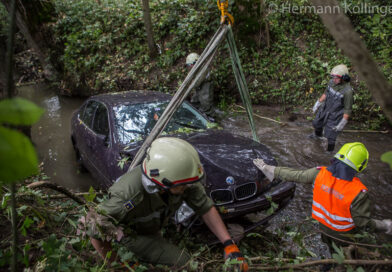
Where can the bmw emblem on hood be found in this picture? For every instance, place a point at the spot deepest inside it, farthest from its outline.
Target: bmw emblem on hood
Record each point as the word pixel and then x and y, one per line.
pixel 230 180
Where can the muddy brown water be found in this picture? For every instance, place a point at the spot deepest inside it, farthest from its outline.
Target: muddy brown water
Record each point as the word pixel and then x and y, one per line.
pixel 51 137
pixel 289 144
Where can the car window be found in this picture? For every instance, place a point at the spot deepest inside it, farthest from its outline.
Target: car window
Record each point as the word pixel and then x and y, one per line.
pixel 88 113
pixel 101 124
pixel 134 121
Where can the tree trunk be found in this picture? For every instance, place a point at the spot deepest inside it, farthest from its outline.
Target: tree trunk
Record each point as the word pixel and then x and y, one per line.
pixel 354 48
pixel 32 34
pixel 148 25
pixel 263 15
pixel 2 71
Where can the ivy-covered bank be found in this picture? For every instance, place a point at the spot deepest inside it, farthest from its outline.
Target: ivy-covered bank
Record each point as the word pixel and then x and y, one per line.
pixel 100 46
pixel 105 49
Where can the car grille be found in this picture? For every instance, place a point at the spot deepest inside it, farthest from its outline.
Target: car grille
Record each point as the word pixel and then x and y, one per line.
pixel 225 196
pixel 245 191
pixel 222 196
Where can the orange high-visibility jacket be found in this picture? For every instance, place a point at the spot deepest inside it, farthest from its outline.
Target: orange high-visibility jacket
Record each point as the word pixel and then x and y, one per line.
pixel 332 198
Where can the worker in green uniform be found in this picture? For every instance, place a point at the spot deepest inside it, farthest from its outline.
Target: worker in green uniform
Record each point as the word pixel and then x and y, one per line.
pixel 203 95
pixel 144 199
pixel 334 106
pixel 340 201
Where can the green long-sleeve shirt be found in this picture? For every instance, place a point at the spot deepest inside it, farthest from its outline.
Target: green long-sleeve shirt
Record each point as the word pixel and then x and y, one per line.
pixel 132 206
pixel 360 207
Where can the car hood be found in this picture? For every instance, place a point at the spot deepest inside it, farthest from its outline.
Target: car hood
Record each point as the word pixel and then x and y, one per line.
pixel 223 153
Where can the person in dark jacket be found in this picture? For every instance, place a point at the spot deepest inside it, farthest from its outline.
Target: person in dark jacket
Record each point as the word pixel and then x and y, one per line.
pixel 334 106
pixel 341 203
pixel 143 200
pixel 203 94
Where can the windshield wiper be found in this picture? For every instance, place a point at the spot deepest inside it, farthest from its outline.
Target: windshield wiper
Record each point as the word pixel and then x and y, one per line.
pixel 186 125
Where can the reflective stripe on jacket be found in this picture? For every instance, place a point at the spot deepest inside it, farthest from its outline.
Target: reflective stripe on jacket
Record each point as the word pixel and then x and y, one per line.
pixel 332 198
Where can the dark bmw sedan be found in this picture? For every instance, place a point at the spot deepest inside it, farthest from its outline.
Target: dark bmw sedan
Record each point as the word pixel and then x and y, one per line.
pixel 108 130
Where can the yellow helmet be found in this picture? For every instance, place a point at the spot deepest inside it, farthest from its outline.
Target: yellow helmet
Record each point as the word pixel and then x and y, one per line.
pixel 192 58
pixel 172 162
pixel 354 155
pixel 339 70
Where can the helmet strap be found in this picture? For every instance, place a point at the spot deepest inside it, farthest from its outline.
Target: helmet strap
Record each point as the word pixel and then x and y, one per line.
pixel 150 186
pixel 167 182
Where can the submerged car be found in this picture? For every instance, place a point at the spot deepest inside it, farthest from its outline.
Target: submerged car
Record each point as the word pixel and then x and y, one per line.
pixel 108 129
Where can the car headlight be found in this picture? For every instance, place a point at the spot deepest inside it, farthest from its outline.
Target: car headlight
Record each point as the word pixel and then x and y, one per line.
pixel 183 214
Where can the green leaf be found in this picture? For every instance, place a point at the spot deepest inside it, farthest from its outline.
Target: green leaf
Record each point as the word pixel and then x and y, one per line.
pixel 4 201
pixel 387 157
pixel 339 255
pixel 19 111
pixel 72 223
pixel 91 195
pixel 18 158
pixel 26 224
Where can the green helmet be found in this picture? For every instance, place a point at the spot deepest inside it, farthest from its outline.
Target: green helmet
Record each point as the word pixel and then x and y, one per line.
pixel 354 155
pixel 172 162
pixel 192 58
pixel 339 70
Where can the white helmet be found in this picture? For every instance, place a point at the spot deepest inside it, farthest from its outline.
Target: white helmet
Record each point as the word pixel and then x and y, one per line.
pixel 171 162
pixel 339 70
pixel 192 58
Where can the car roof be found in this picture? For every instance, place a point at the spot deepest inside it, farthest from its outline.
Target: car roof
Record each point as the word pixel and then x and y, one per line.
pixel 131 97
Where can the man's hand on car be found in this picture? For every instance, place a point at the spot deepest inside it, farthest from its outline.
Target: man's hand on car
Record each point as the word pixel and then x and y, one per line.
pixel 268 170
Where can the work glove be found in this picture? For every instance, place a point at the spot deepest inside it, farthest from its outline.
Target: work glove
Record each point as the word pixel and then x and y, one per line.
pixel 341 125
pixel 268 170
pixel 384 225
pixel 231 251
pixel 316 106
pixel 98 226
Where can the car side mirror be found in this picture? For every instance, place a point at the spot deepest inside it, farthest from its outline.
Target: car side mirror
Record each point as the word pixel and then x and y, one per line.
pixel 104 139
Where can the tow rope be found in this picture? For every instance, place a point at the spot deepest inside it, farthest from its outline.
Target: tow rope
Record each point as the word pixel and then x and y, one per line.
pixel 241 82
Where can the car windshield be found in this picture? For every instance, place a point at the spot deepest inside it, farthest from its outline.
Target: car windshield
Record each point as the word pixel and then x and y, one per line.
pixel 134 121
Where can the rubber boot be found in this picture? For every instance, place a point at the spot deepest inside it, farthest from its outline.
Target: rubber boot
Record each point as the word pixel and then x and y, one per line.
pixel 330 147
pixel 318 133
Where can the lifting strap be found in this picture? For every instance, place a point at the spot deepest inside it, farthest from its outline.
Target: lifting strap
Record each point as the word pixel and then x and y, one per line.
pixel 241 82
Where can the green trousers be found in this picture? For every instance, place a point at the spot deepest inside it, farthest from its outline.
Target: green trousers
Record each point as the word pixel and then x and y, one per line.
pixel 156 250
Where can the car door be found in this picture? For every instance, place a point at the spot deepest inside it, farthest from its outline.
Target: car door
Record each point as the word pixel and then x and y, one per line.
pixel 103 149
pixel 83 133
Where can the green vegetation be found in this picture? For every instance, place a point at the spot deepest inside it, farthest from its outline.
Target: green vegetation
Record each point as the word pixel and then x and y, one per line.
pixel 105 49
pixel 52 240
pixel 18 157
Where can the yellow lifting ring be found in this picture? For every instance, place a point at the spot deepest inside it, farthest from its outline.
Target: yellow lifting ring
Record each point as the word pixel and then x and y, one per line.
pixel 223 6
